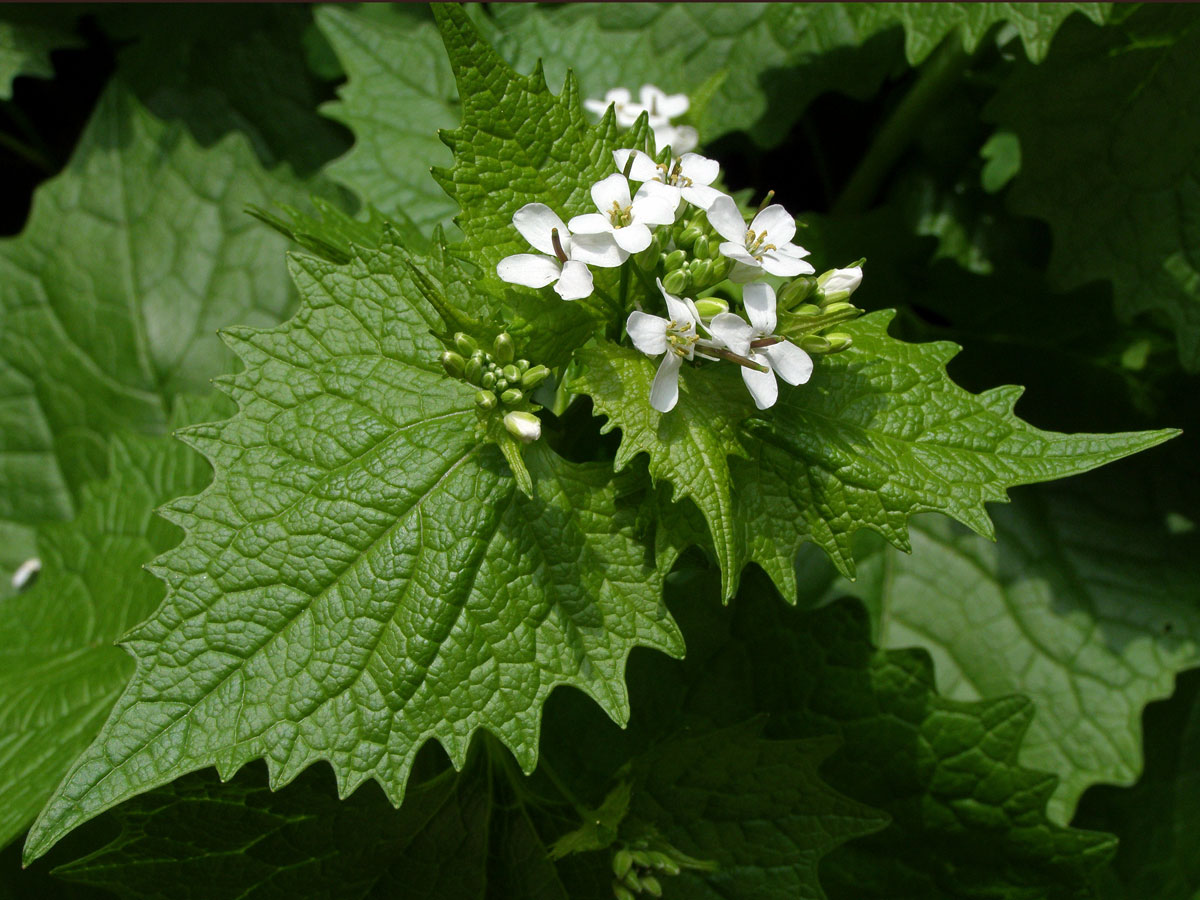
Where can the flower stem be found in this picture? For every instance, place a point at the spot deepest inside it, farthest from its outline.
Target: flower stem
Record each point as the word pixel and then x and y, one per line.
pixel 726 353
pixel 937 77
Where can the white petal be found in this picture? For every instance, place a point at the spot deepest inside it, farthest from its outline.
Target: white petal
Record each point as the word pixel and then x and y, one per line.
pixel 775 221
pixel 597 250
pixel 700 169
pixel 575 283
pixel 684 139
pixel 643 168
pixel 655 209
pixel 666 105
pixel 737 252
pixel 790 363
pixel 743 272
pixel 846 280
pixel 648 333
pixel 732 331
pixel 790 249
pixel 701 195
pixel 760 307
pixel 664 393
pixel 618 95
pixel 596 106
pixel 632 238
pixel 776 263
pixel 628 114
pixel 528 269
pixel 681 311
pixel 535 222
pixel 762 386
pixel 591 223
pixel 724 216
pixel 613 189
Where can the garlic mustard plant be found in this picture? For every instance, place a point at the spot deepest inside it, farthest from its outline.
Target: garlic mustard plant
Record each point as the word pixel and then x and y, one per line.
pixel 659 106
pixel 689 176
pixel 628 220
pixel 763 246
pixel 674 338
pixel 564 257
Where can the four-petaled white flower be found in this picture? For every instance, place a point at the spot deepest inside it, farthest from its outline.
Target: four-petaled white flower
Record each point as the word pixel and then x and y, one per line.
pixel 764 246
pixel 781 357
pixel 687 176
pixel 676 337
pixel 564 257
pixel 627 220
pixel 660 107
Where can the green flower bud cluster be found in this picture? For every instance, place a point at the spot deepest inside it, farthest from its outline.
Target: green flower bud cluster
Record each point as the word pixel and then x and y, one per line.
pixel 807 313
pixel 502 380
pixel 637 867
pixel 695 264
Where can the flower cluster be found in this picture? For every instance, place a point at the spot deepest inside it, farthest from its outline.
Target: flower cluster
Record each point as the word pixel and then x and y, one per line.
pixel 502 381
pixel 659 106
pixel 678 226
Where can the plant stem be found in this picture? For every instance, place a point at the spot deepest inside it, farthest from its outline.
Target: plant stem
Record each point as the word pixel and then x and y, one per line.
pixel 726 353
pixel 569 795
pixel 26 152
pixel 937 76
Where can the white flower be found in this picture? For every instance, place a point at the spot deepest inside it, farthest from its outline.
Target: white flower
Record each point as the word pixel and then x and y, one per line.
pixel 783 358
pixel 676 337
pixel 25 573
pixel 524 426
pixel 659 106
pixel 566 265
pixel 837 280
pixel 765 245
pixel 688 176
pixel 627 220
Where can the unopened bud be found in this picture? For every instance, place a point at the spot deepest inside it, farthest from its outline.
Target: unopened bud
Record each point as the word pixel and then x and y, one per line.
pixel 835 297
pixel 664 863
pixel 465 343
pixel 620 892
pixel 502 349
pixel 473 370
pixel 814 343
pixel 796 291
pixel 689 235
pixel 838 341
pixel 485 400
pixel 531 378
pixel 522 365
pixel 511 396
pixel 807 309
pixel 651 886
pixel 524 426
pixel 702 248
pixel 711 306
pixel 675 282
pixel 632 881
pixel 622 862
pixel 512 373
pixel 488 380
pixel 837 280
pixel 701 271
pixel 453 364
pixel 839 307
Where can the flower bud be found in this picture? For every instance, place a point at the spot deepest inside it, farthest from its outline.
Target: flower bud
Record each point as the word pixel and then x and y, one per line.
pixel 632 881
pixel 814 343
pixel 512 373
pixel 701 271
pixel 473 370
pixel 796 291
pixel 674 260
pixel 533 377
pixel 485 400
pixel 620 892
pixel 524 426
pixel 488 380
pixel 702 248
pixel 838 341
pixel 711 306
pixel 465 343
pixel 622 862
pixel 511 396
pixel 835 281
pixel 502 349
pixel 664 863
pixel 838 307
pixel 688 236
pixel 651 886
pixel 453 364
pixel 676 282
pixel 807 309
pixel 522 365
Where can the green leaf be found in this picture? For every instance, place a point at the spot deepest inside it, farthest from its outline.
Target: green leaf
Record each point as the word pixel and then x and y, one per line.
pixel 1110 163
pixel 879 434
pixel 201 838
pixel 25 50
pixel 363 576
pixel 1157 820
pixel 60 672
pixel 400 92
pixel 757 808
pixel 1047 612
pixel 131 258
pixel 968 821
pixel 777 58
